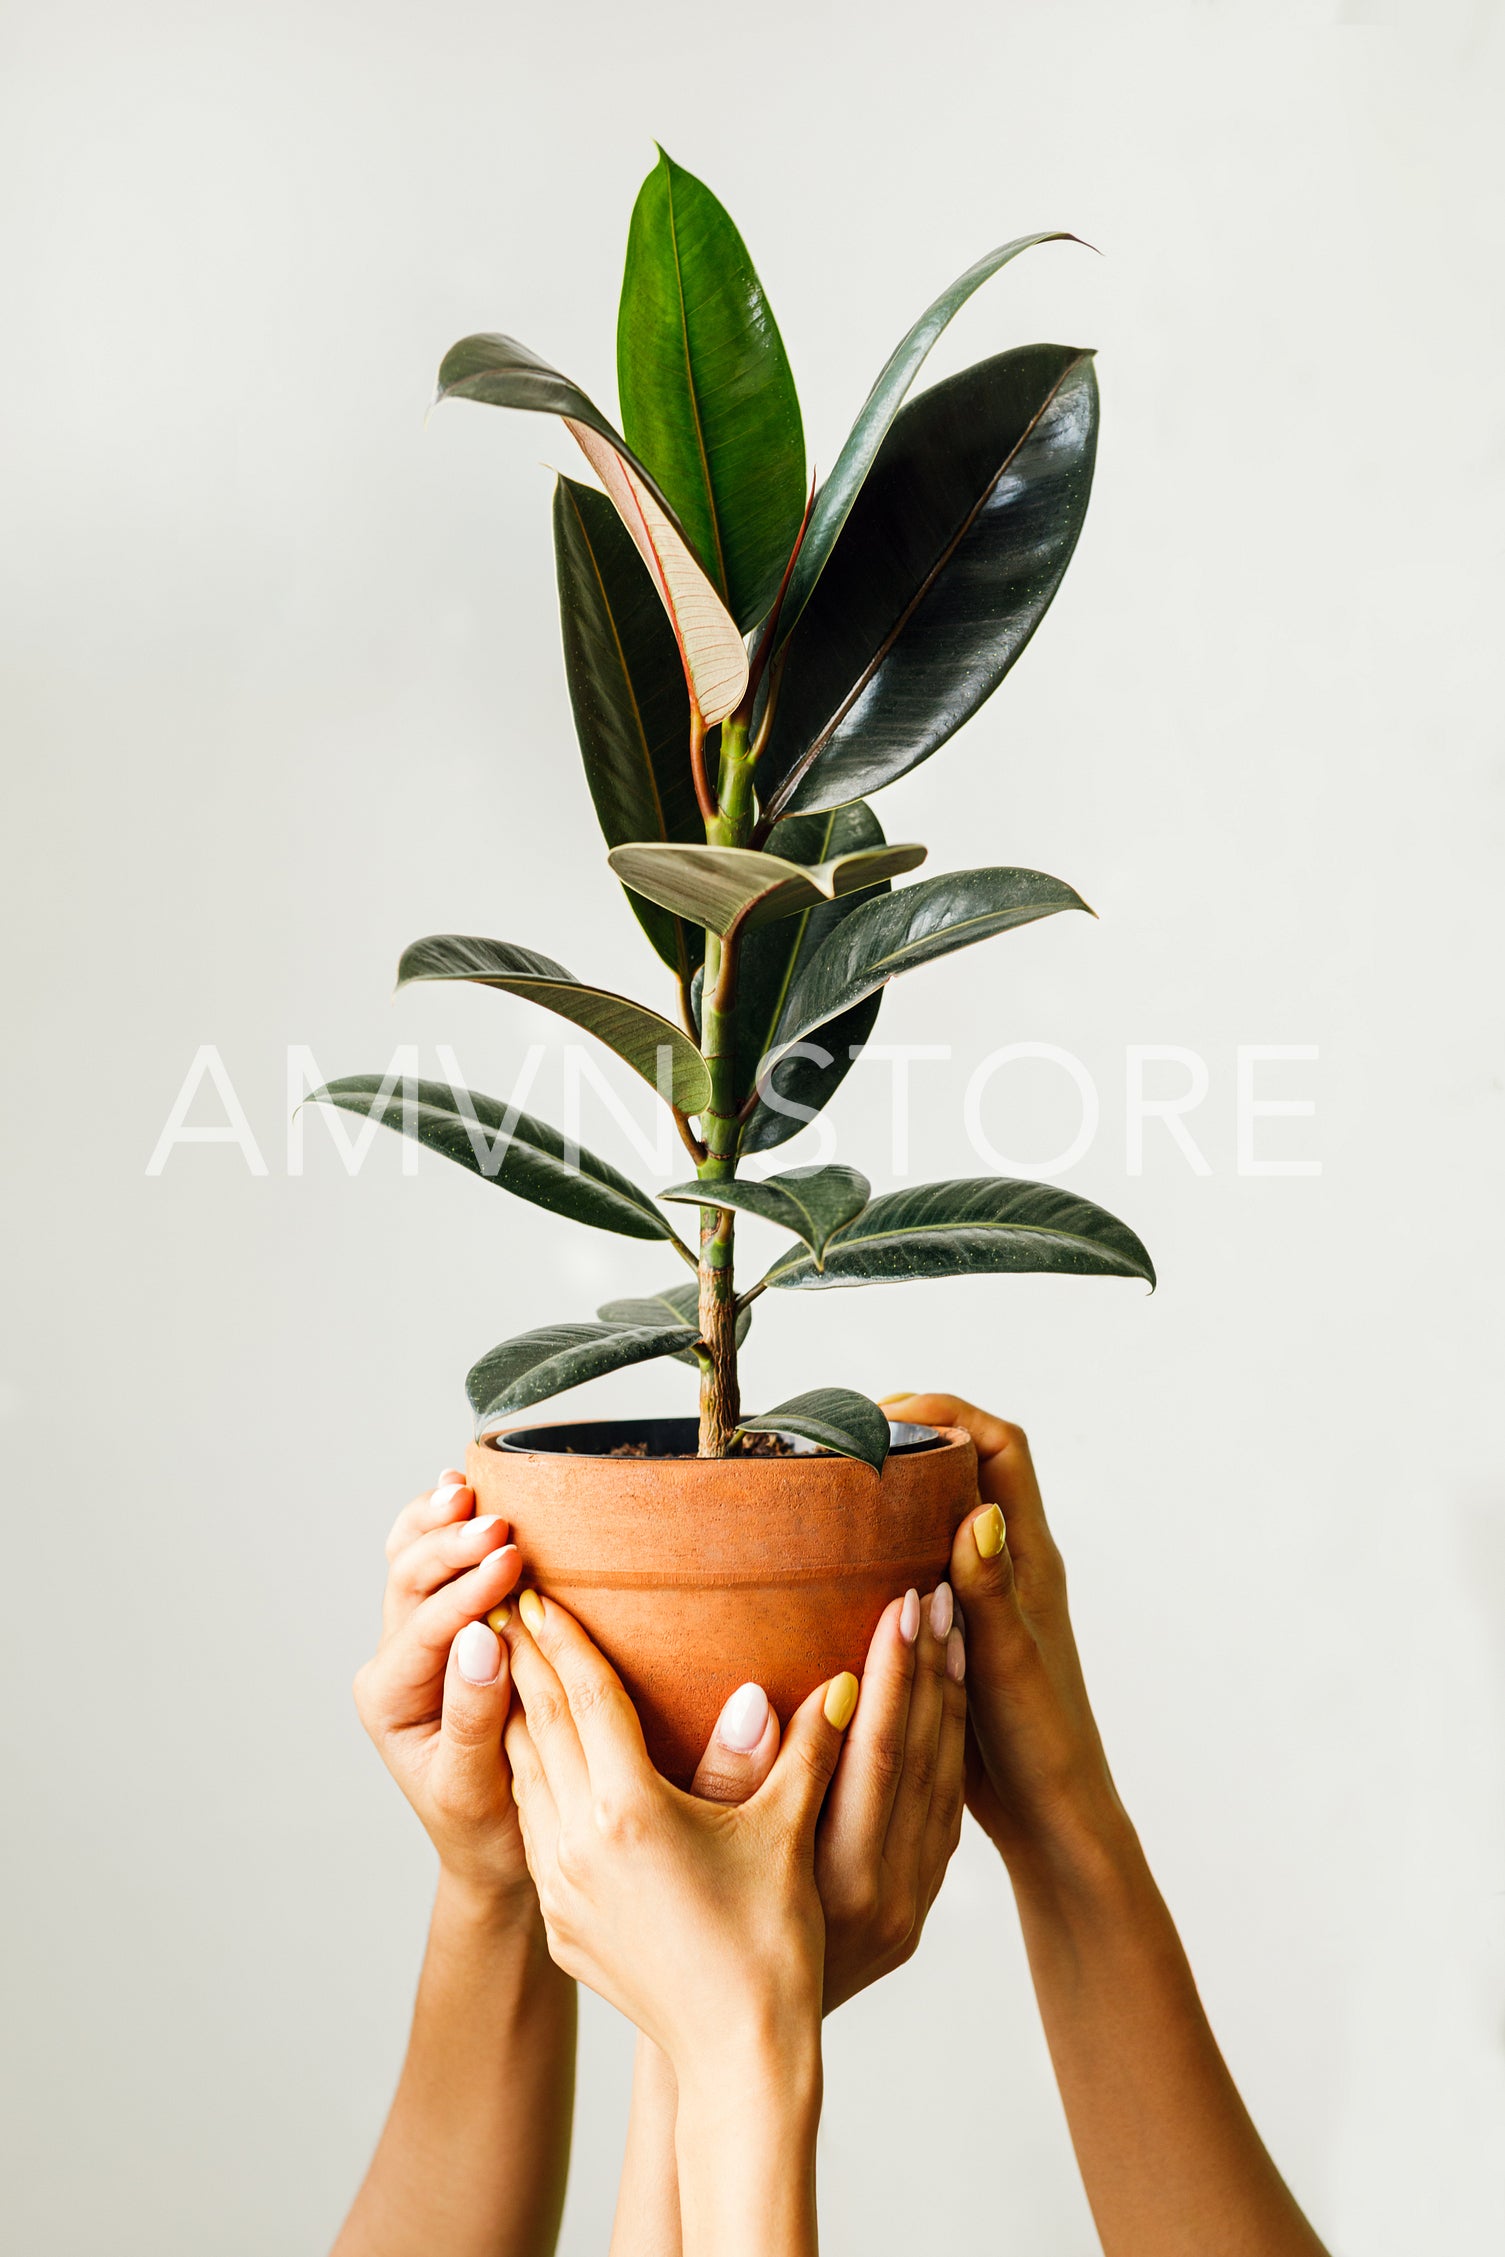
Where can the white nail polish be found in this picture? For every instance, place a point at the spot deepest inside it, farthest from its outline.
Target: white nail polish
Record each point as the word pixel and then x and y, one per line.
pixel 744 1720
pixel 483 1520
pixel 443 1498
pixel 940 1611
pixel 478 1654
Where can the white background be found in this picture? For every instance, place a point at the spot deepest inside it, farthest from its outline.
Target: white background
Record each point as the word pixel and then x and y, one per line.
pixel 282 691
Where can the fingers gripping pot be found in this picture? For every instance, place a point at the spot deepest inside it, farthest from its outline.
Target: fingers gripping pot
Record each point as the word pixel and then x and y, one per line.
pixel 695 1575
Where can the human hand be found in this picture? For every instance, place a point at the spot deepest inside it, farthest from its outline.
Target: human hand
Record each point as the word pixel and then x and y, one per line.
pixel 892 1816
pixel 434 1695
pixel 699 1919
pixel 1037 1778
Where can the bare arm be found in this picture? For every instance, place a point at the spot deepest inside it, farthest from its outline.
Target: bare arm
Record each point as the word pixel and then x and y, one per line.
pixel 475 2151
pixel 1171 2162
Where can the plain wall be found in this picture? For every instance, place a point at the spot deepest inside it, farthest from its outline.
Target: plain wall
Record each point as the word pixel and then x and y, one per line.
pixel 282 690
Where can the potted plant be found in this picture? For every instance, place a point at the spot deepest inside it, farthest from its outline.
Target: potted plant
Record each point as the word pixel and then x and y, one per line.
pixel 747 662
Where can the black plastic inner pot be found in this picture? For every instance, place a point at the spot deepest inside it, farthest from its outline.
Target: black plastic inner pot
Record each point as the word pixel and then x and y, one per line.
pixel 668 1438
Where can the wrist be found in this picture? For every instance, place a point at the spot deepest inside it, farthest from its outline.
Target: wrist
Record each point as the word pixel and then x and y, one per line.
pixel 489 1909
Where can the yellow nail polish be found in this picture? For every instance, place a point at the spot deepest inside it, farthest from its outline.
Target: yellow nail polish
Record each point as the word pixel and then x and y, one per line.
pixel 530 1607
pixel 841 1700
pixel 499 1618
pixel 988 1533
pixel 897 1395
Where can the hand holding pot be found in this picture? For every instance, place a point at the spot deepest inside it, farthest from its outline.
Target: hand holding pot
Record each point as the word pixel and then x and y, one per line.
pixel 434 1695
pixel 1037 1779
pixel 699 1920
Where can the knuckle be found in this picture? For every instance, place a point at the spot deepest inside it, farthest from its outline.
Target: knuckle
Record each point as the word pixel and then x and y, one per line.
pixel 896 1925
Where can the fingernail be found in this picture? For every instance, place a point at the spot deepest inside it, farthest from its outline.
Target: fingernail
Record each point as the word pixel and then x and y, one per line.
pixel 841 1700
pixel 502 1558
pixel 499 1618
pixel 744 1720
pixel 940 1611
pixel 530 1607
pixel 909 1618
pixel 899 1395
pixel 956 1657
pixel 484 1520
pixel 988 1533
pixel 443 1498
pixel 477 1654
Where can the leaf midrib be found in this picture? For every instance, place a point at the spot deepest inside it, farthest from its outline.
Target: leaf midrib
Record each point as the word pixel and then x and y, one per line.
pixel 920 1230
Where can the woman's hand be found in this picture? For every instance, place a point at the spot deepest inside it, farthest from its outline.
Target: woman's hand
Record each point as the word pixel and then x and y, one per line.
pixel 1037 1778
pixel 698 1919
pixel 434 1695
pixel 892 1816
pixel 475 2151
pixel 890 1822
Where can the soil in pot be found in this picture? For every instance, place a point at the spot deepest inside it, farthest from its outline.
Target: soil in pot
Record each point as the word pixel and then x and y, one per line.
pixel 695 1575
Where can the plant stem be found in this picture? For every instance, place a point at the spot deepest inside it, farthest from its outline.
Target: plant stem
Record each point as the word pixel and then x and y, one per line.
pixel 720 1402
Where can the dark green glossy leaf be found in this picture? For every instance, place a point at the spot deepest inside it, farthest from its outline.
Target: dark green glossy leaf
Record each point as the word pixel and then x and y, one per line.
pixel 900 930
pixel 707 395
pixel 812 1202
pixel 969 1225
pixel 505 1146
pixel 535 1365
pixel 503 373
pixel 636 1034
pixel 948 562
pixel 722 886
pixel 840 490
pixel 627 688
pixel 677 1304
pixel 835 1417
pixel 772 960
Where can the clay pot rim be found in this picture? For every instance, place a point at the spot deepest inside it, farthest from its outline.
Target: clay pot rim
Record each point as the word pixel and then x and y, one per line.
pixel 919 1441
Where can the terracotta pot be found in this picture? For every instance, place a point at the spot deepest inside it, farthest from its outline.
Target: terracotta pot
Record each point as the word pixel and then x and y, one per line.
pixel 695 1575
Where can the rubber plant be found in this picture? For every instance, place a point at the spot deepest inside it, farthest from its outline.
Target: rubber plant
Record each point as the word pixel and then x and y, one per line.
pixel 748 660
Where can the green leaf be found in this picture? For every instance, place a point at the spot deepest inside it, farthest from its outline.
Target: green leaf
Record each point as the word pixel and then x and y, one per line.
pixel 627 688
pixel 545 1362
pixel 722 886
pixel 772 960
pixel 636 1034
pixel 900 930
pixel 835 1417
pixel 706 391
pixel 812 1202
pixel 503 373
pixel 677 1304
pixel 970 1225
pixel 834 501
pixel 947 564
pixel 505 1146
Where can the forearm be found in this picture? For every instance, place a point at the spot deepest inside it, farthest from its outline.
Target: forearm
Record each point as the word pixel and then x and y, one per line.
pixel 647 2219
pixel 1171 2162
pixel 745 2148
pixel 475 2152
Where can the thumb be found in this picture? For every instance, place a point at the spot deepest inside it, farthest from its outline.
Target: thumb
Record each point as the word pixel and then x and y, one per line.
pixel 739 1754
pixel 799 1779
pixel 477 1690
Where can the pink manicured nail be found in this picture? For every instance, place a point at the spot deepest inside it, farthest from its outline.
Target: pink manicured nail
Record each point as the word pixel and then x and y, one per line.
pixel 956 1657
pixel 744 1720
pixel 443 1498
pixel 487 1520
pixel 909 1618
pixel 940 1611
pixel 506 1557
pixel 478 1654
